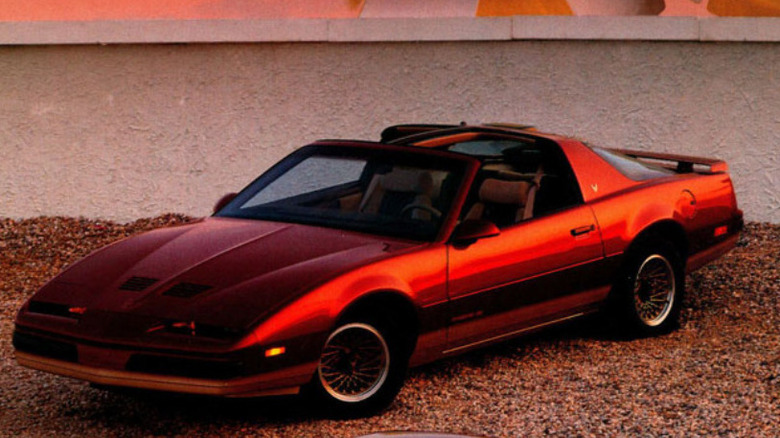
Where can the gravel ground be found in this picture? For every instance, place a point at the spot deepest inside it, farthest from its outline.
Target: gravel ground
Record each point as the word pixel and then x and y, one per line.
pixel 718 375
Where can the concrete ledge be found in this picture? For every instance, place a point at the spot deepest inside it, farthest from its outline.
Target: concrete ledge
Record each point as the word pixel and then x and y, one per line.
pixel 740 29
pixel 162 31
pixel 606 28
pixel 392 30
pixel 421 29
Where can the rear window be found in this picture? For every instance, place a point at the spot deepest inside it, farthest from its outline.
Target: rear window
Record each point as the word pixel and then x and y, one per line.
pixel 486 147
pixel 631 167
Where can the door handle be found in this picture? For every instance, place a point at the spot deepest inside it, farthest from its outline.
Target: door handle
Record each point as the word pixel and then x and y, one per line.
pixel 582 230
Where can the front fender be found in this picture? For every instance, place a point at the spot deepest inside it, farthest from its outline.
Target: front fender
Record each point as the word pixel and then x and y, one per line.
pixel 302 326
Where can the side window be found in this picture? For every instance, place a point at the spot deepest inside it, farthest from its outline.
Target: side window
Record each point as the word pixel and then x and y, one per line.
pixel 525 183
pixel 558 188
pixel 498 199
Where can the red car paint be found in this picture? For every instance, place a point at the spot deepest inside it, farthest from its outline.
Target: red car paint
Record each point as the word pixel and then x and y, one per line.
pixel 280 287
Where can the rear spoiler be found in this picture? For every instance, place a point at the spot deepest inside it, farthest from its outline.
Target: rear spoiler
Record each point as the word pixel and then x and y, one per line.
pixel 678 163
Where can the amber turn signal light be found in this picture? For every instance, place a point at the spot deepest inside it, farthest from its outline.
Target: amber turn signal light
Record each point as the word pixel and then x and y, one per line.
pixel 276 351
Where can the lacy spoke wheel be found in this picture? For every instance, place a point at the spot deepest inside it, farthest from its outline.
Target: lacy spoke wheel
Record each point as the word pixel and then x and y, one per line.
pixel 654 290
pixel 355 363
pixel 648 292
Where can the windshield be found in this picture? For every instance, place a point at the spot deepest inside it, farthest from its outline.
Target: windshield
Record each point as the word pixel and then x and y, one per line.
pixel 399 193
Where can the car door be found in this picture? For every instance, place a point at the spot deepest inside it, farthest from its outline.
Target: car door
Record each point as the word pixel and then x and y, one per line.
pixel 533 273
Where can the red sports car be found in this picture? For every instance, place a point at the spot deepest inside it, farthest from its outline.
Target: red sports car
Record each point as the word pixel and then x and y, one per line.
pixel 349 261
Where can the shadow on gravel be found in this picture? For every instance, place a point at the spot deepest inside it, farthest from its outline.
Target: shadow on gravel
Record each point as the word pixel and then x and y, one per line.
pixel 138 412
pixel 201 408
pixel 549 339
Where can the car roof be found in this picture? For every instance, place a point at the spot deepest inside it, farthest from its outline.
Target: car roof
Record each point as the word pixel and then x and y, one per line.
pixel 450 137
pixel 418 135
pixel 396 133
pixel 441 137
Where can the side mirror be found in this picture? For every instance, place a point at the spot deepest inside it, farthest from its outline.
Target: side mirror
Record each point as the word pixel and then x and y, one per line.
pixel 223 201
pixel 472 230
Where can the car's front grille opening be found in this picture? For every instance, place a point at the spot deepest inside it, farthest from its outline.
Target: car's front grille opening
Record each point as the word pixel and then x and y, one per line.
pixel 215 332
pixel 137 284
pixel 192 328
pixel 186 290
pixel 185 367
pixel 53 309
pixel 45 347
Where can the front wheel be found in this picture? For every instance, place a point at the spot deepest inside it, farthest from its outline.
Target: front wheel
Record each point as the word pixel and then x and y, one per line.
pixel 650 289
pixel 360 371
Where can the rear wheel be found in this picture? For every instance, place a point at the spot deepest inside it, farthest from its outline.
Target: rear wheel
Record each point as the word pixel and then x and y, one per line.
pixel 361 369
pixel 649 292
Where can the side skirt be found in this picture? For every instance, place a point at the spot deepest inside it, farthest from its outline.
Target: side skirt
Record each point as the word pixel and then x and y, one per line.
pixel 516 333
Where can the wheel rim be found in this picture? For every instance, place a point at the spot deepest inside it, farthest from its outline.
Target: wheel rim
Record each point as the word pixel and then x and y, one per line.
pixel 654 290
pixel 354 363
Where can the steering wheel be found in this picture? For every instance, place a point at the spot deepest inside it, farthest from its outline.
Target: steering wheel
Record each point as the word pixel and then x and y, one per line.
pixel 436 213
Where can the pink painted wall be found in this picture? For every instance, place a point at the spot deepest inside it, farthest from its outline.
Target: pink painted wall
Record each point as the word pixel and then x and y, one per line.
pixel 91 10
pixel 88 10
pixel 691 8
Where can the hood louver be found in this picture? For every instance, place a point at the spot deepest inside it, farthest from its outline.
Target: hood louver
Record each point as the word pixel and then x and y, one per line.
pixel 137 284
pixel 186 290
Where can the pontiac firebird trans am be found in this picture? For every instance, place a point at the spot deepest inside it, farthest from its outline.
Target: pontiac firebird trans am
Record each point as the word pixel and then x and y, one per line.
pixel 349 261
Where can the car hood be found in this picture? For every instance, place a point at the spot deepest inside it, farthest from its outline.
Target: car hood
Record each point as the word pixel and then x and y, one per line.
pixel 220 271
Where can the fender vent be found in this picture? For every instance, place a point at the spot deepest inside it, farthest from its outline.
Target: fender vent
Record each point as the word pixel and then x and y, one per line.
pixel 186 290
pixel 137 284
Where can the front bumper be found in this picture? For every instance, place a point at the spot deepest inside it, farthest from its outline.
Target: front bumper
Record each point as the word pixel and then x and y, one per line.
pixel 235 375
pixel 254 386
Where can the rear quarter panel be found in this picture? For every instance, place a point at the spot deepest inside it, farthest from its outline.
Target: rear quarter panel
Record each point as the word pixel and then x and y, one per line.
pixel 698 203
pixel 624 215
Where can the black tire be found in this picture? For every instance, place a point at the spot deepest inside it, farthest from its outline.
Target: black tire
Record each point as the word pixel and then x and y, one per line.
pixel 361 369
pixel 647 296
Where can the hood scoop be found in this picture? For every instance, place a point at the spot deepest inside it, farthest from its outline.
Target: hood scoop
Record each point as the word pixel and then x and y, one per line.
pixel 186 290
pixel 137 284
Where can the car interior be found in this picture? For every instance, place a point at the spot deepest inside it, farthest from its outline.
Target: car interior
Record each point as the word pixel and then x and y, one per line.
pixel 403 191
pixel 519 179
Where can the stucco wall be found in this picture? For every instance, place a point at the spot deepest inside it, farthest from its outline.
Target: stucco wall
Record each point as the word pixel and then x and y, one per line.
pixel 122 132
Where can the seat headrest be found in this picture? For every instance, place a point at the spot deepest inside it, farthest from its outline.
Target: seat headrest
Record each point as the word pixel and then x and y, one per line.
pixel 524 159
pixel 504 192
pixel 403 180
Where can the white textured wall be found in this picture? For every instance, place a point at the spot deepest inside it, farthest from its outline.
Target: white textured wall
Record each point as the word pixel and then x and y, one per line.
pixel 122 132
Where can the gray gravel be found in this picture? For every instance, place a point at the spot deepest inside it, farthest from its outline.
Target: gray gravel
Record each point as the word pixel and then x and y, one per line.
pixel 719 375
